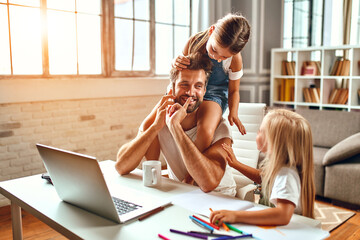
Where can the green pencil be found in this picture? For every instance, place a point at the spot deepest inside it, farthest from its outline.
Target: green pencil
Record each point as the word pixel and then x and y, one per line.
pixel 233 228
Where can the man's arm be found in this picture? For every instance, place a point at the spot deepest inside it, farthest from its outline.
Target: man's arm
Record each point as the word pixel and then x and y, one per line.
pixel 131 154
pixel 206 169
pixel 146 142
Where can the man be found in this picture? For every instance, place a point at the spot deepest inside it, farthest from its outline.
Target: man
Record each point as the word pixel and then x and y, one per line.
pixel 171 128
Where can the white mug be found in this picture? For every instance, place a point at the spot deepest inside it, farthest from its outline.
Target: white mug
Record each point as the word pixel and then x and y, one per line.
pixel 152 173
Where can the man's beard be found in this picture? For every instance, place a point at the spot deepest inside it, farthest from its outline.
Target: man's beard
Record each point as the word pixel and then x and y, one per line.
pixel 191 108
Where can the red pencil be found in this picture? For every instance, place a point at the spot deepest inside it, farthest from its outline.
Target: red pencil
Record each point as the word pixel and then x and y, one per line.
pixel 210 224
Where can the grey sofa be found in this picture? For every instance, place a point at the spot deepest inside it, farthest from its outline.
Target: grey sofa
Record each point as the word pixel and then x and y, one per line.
pixel 336 140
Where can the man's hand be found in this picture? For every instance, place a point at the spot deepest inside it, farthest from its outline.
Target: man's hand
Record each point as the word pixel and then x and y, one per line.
pixel 176 113
pixel 161 106
pixel 235 119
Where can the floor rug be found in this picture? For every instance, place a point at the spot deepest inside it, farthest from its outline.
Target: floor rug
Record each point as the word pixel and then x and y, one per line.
pixel 330 216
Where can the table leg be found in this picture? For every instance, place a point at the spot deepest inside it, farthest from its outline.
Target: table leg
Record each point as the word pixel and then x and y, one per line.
pixel 16 220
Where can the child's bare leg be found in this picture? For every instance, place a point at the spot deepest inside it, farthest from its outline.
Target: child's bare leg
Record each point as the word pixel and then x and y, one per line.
pixel 209 116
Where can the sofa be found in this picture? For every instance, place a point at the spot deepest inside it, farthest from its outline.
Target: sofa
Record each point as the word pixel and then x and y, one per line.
pixel 336 141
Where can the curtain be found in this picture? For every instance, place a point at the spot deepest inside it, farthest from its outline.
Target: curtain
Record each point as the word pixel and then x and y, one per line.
pixel 347 20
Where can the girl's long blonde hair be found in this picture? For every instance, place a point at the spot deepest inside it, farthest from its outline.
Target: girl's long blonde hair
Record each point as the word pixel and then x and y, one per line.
pixel 231 31
pixel 289 144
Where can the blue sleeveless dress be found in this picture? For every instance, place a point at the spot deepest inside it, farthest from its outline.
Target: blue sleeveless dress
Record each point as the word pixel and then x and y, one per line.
pixel 217 88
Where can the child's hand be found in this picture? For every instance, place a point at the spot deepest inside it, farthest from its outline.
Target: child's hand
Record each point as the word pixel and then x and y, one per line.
pixel 180 62
pixel 230 158
pixel 219 217
pixel 235 119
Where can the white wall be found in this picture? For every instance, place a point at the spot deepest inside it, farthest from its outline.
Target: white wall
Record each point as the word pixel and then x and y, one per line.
pixel 265 18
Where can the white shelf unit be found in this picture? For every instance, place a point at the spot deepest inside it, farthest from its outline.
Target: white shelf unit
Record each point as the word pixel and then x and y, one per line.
pixel 327 57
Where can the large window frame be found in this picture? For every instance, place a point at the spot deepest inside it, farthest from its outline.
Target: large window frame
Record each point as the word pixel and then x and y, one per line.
pixel 298 12
pixel 107 47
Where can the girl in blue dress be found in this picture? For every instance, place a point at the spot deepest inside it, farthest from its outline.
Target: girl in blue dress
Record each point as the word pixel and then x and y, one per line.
pixel 222 42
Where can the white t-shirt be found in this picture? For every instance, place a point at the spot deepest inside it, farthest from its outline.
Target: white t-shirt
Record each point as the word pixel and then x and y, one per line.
pixel 287 186
pixel 232 75
pixel 175 163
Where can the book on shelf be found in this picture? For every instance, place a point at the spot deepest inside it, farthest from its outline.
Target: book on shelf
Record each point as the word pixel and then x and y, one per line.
pixel 310 68
pixel 341 67
pixel 316 93
pixel 311 94
pixel 334 68
pixel 286 90
pixel 332 96
pixel 345 71
pixel 306 93
pixel 344 96
pixel 328 86
pixel 289 90
pixel 339 96
pixel 288 68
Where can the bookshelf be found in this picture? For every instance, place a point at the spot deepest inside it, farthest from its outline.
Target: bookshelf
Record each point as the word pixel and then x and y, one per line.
pixel 317 77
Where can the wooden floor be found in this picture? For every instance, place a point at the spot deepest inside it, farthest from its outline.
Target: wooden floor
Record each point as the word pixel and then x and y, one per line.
pixel 35 229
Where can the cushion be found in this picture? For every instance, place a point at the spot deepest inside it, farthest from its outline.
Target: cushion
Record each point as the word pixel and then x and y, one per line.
pixel 342 181
pixel 345 149
pixel 330 127
pixel 319 169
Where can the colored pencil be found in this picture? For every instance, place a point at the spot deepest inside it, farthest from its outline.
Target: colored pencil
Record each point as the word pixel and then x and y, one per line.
pixel 189 234
pixel 200 225
pixel 234 237
pixel 210 224
pixel 233 228
pixel 204 224
pixel 163 237
pixel 223 225
pixel 156 210
pixel 211 234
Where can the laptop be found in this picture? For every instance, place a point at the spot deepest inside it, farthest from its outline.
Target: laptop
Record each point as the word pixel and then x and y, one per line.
pixel 78 180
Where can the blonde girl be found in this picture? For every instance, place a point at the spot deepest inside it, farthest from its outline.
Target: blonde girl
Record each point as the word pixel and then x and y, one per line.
pixel 222 42
pixel 286 174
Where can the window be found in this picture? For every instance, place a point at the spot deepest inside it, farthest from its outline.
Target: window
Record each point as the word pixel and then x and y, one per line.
pixel 91 37
pixel 149 34
pixel 303 21
pixel 174 21
pixel 50 37
pixel 355 23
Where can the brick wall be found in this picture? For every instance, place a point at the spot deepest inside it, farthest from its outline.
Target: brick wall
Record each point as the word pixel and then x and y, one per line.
pixel 97 127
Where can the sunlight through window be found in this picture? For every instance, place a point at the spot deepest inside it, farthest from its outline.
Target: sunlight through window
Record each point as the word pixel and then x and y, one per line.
pixel 62 42
pixel 5 66
pixel 89 44
pixel 26 40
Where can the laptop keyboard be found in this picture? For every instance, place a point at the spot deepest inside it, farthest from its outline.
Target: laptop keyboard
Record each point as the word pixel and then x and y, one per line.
pixel 123 207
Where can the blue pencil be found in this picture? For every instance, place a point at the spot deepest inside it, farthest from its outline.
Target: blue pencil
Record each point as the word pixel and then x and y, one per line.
pixel 233 237
pixel 202 223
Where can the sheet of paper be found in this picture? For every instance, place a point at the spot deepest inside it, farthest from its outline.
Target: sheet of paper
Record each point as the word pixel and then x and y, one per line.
pixel 293 231
pixel 199 202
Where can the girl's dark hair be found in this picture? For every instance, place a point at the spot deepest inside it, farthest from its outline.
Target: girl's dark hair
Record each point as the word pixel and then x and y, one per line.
pixel 231 31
